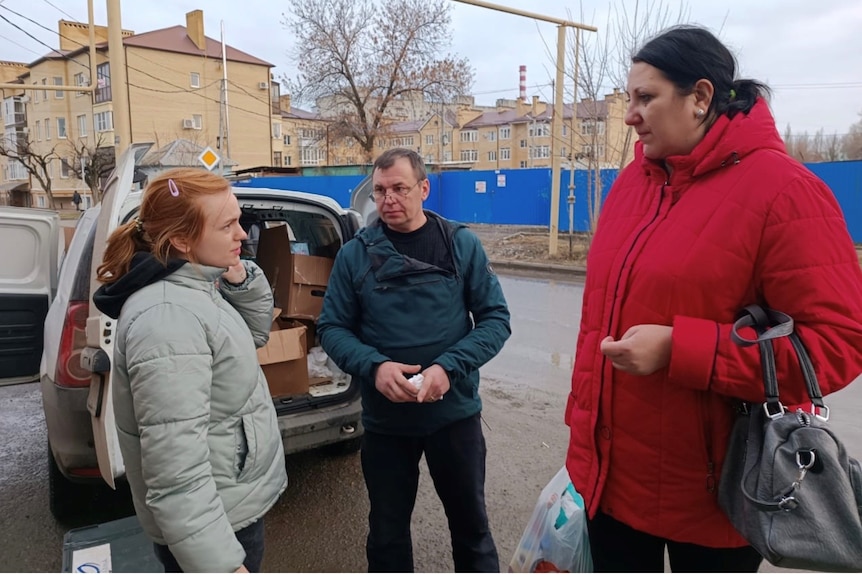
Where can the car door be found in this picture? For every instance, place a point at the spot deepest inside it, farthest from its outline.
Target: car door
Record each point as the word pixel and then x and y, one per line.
pixel 30 239
pixel 361 201
pixel 98 355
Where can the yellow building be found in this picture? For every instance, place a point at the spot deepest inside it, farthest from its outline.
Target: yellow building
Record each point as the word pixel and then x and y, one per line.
pixel 177 90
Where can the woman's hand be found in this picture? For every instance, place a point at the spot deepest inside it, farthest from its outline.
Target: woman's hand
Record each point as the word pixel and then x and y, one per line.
pixel 235 274
pixel 642 350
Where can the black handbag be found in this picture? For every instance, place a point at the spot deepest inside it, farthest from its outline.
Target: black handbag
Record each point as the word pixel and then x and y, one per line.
pixel 788 484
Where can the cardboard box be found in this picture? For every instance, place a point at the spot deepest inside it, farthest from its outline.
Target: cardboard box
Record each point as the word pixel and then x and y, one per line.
pixel 283 359
pixel 298 281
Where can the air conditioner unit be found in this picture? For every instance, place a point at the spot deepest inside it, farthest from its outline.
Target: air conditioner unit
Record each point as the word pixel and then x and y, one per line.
pixel 188 123
pixel 263 85
pixel 25 99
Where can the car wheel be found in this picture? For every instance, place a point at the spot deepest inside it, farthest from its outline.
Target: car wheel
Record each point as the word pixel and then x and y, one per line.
pixel 64 496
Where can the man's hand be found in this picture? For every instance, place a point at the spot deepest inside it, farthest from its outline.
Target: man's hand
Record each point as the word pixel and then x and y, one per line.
pixel 435 384
pixel 642 350
pixel 235 274
pixel 390 381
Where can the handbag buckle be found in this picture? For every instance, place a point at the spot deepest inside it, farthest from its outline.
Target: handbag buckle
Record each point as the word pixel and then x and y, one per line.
pixel 779 408
pixel 788 503
pixel 821 413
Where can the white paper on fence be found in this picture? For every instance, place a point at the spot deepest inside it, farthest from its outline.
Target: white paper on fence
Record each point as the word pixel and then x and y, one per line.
pixel 92 559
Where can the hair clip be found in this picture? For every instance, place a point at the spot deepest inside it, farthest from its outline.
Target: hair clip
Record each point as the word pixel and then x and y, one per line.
pixel 172 186
pixel 732 94
pixel 139 225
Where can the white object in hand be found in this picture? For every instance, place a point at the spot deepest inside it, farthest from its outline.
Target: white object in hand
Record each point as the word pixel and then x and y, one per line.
pixel 417 380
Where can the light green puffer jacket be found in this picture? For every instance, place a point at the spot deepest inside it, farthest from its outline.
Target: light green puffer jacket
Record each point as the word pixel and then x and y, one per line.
pixel 197 426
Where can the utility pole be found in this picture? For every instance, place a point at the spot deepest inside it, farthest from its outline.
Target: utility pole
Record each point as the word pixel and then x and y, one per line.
pixel 119 79
pixel 557 124
pixel 573 161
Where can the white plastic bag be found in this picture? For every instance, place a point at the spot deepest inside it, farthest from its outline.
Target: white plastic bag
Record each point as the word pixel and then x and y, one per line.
pixel 555 539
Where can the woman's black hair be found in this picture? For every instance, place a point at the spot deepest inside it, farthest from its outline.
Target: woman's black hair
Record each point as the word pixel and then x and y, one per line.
pixel 686 54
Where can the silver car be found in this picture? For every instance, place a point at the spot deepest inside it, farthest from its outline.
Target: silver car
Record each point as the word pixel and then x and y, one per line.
pixel 73 359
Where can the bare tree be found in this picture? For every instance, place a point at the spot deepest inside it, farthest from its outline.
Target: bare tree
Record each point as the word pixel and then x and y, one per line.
pixel 91 164
pixel 363 54
pixel 852 142
pixel 21 149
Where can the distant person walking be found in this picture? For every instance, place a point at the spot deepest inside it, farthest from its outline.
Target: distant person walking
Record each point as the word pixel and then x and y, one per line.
pixel 76 199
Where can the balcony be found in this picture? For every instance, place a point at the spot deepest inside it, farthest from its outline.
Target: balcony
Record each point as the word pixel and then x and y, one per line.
pixel 13 120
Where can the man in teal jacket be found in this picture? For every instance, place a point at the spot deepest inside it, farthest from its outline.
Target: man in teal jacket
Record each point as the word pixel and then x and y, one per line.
pixel 414 293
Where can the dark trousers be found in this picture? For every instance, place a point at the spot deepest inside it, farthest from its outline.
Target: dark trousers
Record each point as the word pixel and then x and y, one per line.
pixel 251 538
pixel 617 548
pixel 456 460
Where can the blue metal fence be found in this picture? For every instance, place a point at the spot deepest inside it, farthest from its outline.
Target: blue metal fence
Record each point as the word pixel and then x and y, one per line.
pixel 523 196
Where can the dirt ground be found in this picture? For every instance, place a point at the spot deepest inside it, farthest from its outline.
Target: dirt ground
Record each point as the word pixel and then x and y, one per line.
pixel 530 244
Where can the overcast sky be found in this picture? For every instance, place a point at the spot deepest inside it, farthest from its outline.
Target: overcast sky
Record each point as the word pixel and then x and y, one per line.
pixel 807 51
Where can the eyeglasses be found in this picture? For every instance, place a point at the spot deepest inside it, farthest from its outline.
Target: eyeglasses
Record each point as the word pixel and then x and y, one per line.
pixel 398 191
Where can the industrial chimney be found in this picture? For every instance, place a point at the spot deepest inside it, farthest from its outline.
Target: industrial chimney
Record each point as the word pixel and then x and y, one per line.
pixel 522 86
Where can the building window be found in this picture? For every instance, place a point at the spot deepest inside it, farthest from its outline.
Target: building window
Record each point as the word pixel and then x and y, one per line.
pixel 591 126
pixel 35 94
pixel 47 128
pixel 492 156
pixel 447 156
pixel 523 164
pixel 276 133
pixel 540 131
pixel 402 142
pixel 288 160
pixel 505 154
pixel 64 167
pixel 198 121
pixel 79 80
pixel 61 128
pixel 44 91
pixel 82 126
pixel 286 139
pixel 312 156
pixel 506 133
pixel 103 121
pixel 276 158
pixel 429 139
pixel 469 155
pixel 195 80
pixel 523 143
pixel 41 201
pixel 469 136
pixel 540 152
pixel 38 131
pixel 103 82
pixel 492 136
pixel 58 81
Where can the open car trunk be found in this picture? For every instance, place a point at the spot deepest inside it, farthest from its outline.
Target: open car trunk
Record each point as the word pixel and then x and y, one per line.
pixel 296 248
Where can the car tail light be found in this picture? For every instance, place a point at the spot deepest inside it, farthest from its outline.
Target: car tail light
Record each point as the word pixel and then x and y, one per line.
pixel 72 341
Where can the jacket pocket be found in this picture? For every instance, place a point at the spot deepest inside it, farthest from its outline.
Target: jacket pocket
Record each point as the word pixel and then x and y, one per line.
pixel 246 447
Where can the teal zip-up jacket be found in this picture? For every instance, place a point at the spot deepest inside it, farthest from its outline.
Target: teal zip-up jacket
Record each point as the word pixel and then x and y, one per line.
pixel 383 306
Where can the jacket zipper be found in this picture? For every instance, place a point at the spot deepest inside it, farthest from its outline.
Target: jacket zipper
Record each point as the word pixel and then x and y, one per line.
pixel 611 317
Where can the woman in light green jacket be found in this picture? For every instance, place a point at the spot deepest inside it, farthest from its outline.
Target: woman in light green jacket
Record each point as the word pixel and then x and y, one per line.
pixel 197 426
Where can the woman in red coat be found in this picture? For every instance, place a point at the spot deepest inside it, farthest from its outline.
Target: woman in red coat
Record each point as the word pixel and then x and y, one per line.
pixel 710 216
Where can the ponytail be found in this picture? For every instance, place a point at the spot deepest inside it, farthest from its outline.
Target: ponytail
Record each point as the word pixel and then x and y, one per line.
pixel 123 243
pixel 741 97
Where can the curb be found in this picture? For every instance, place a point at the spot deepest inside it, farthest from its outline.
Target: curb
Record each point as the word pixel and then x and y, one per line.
pixel 557 270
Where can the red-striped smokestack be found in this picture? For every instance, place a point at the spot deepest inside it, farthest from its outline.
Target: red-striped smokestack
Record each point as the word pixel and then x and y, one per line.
pixel 522 86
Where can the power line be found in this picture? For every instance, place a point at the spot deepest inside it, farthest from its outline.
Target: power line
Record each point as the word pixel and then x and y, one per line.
pixel 49 3
pixel 20 45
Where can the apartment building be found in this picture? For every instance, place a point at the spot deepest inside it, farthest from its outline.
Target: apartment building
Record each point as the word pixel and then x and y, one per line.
pixel 176 90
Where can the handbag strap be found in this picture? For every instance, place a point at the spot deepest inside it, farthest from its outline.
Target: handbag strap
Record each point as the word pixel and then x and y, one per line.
pixel 770 324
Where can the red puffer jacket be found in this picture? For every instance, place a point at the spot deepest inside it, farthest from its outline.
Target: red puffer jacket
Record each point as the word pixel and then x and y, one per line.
pixel 737 222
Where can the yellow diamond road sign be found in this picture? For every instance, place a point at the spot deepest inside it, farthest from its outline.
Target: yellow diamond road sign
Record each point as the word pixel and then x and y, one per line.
pixel 209 158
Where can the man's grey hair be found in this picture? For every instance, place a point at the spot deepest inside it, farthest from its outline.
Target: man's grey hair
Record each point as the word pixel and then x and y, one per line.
pixel 388 158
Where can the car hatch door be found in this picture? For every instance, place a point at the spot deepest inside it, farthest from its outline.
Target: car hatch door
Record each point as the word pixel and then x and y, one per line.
pixel 97 357
pixel 28 282
pixel 361 202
